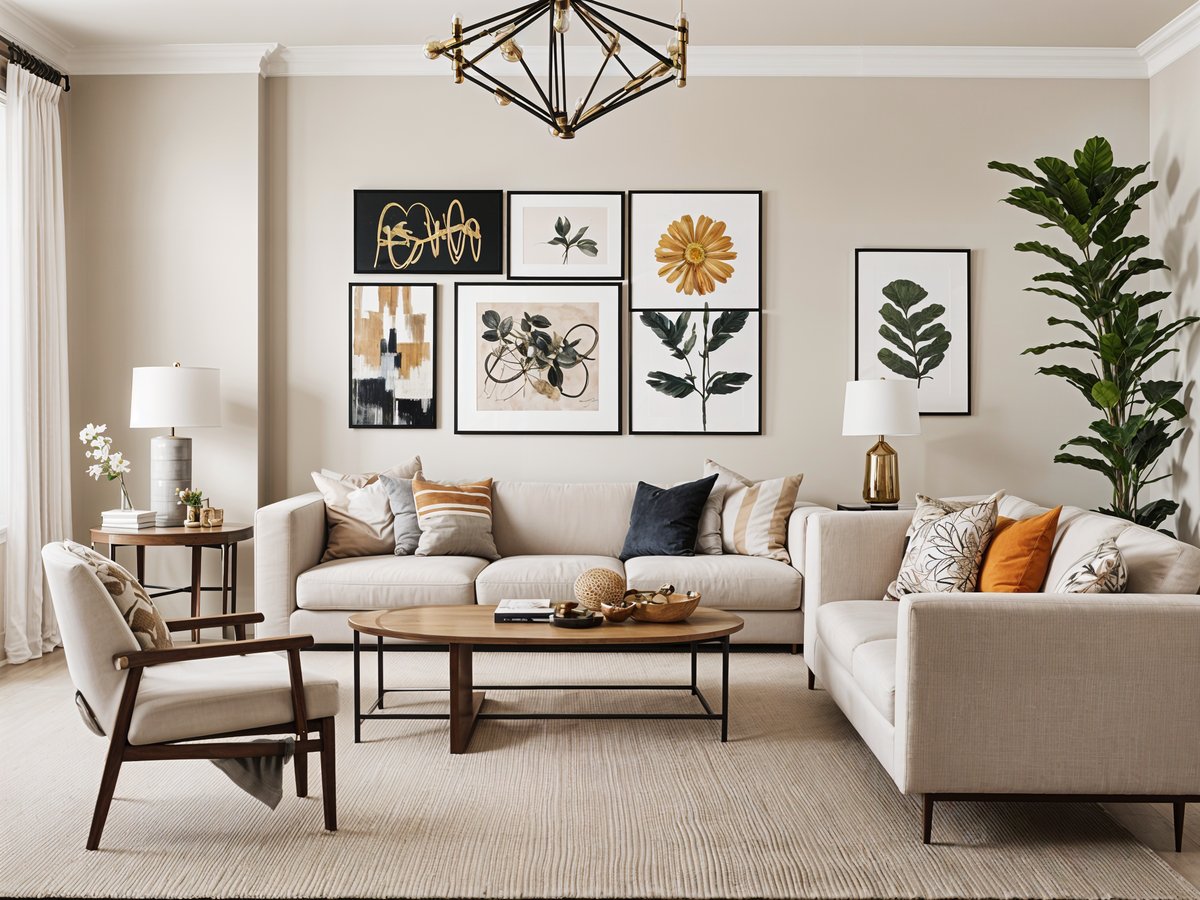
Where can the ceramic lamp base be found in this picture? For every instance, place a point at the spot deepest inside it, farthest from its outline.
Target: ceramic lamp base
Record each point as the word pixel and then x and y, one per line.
pixel 170 470
pixel 881 477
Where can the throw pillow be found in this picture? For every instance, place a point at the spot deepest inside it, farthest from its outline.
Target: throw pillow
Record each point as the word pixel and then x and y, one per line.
pixel 664 520
pixel 930 508
pixel 358 519
pixel 1099 571
pixel 944 554
pixel 406 469
pixel 133 603
pixel 708 529
pixel 406 530
pixel 754 514
pixel 455 519
pixel 1019 554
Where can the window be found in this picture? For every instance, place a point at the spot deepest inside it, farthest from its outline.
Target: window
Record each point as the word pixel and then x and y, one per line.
pixel 4 354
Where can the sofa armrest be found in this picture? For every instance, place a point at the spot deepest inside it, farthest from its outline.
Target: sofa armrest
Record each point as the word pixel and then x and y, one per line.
pixel 797 532
pixel 1048 694
pixel 289 539
pixel 852 555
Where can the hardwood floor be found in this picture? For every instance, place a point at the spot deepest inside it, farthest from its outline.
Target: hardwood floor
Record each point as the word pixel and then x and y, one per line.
pixel 41 681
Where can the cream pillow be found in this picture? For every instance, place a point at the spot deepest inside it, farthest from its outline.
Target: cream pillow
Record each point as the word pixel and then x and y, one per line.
pixel 358 513
pixel 945 554
pixel 754 514
pixel 1099 571
pixel 134 604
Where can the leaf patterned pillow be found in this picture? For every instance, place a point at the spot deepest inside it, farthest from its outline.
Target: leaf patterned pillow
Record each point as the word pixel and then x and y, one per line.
pixel 930 508
pixel 1099 571
pixel 134 604
pixel 944 554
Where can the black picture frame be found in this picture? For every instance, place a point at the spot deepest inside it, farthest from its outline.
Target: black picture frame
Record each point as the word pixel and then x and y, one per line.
pixel 858 301
pixel 437 246
pixel 351 397
pixel 619 368
pixel 622 230
pixel 631 218
pixel 635 384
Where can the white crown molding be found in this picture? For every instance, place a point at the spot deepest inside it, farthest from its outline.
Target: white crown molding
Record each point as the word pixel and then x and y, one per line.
pixel 173 59
pixel 1175 39
pixel 34 35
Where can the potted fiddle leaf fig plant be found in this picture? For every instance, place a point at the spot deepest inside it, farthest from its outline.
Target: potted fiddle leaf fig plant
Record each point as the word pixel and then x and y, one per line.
pixel 1114 322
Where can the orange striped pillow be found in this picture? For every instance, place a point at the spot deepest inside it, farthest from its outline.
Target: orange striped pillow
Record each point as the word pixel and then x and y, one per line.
pixel 455 519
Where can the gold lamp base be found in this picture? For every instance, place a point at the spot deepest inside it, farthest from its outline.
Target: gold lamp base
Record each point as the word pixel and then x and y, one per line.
pixel 881 477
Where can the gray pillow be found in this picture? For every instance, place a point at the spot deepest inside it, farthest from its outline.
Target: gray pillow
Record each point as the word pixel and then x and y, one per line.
pixel 404 508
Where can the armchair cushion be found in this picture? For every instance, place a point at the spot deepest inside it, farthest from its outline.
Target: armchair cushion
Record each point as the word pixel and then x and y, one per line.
pixel 185 700
pixel 131 599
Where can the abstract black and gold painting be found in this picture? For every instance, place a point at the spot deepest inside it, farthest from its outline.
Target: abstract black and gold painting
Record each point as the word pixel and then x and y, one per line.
pixel 428 232
pixel 393 347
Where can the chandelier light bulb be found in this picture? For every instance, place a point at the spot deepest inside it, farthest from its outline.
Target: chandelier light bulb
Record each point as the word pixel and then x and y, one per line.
pixel 562 16
pixel 502 99
pixel 433 47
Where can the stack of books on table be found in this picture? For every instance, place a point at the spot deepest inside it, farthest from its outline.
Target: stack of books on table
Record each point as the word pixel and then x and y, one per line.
pixel 126 519
pixel 524 611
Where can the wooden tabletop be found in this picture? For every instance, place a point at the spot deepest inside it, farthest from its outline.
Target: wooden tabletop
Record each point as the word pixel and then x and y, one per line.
pixel 175 536
pixel 474 625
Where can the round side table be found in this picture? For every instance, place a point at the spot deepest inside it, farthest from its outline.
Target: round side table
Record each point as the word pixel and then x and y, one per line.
pixel 224 538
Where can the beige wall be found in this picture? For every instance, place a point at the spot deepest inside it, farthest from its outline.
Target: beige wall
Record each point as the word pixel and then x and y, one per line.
pixel 1175 230
pixel 163 254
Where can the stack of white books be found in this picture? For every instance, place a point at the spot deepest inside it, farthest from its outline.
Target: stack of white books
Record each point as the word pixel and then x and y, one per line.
pixel 126 519
pixel 527 610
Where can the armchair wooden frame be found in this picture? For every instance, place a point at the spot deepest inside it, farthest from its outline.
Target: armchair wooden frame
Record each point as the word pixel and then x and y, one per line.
pixel 120 750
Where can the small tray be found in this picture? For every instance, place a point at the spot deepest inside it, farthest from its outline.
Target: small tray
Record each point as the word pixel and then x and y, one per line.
pixel 590 620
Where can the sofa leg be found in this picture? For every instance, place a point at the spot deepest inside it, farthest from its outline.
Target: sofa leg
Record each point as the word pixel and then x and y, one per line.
pixel 1180 808
pixel 927 824
pixel 795 649
pixel 812 680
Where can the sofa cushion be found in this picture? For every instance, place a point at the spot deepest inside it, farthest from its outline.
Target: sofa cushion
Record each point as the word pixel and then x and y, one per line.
pixel 537 577
pixel 535 518
pixel 845 626
pixel 724 582
pixel 389 582
pixel 874 671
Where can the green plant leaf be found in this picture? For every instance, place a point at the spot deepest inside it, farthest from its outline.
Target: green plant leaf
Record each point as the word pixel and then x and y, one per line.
pixel 1094 161
pixel 490 335
pixel 671 385
pixel 1155 513
pixel 506 326
pixel 904 293
pixel 588 248
pixel 562 227
pixel 1096 465
pixel 1019 171
pixel 1106 394
pixel 1063 259
pixel 660 325
pixel 725 326
pixel 491 318
pixel 727 382
pixel 898 365
pixel 540 321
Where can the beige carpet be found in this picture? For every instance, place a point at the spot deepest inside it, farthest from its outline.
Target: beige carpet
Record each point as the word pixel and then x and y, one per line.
pixel 793 806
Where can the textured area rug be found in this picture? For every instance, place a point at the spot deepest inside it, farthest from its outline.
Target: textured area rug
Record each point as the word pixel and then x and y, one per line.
pixel 793 806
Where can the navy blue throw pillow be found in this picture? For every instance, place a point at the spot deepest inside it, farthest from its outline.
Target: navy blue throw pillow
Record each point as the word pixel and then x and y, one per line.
pixel 664 520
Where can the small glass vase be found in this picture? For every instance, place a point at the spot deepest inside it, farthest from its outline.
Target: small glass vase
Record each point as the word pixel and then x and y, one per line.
pixel 126 503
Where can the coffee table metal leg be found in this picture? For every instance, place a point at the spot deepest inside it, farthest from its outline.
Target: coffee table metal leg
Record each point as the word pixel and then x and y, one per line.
pixel 724 689
pixel 693 669
pixel 357 688
pixel 378 672
pixel 465 701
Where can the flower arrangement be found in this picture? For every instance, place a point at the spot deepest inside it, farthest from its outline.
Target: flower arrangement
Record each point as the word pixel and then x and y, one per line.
pixel 193 497
pixel 110 463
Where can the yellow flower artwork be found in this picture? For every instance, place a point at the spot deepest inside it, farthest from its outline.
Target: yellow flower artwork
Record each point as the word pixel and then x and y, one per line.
pixel 695 255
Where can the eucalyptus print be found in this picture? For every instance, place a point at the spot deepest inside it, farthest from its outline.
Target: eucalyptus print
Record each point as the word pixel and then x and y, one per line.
pixel 921 340
pixel 585 245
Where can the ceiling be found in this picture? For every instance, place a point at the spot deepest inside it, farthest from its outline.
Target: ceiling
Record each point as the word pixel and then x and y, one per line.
pixel 996 23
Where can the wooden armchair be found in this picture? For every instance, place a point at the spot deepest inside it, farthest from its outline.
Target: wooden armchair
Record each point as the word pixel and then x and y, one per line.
pixel 153 703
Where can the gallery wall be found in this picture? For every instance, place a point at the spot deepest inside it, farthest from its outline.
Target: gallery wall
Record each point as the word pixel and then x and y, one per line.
pixel 173 256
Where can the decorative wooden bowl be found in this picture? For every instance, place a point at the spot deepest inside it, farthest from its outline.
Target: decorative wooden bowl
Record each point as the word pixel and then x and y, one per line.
pixel 677 608
pixel 616 613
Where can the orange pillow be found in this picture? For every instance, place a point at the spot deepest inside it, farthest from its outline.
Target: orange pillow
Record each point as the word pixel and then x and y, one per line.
pixel 1019 554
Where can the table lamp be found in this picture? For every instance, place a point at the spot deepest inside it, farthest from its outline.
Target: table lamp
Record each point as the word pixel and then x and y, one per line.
pixel 883 406
pixel 173 397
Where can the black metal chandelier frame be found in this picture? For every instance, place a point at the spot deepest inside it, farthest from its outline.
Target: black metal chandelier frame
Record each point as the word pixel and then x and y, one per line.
pixel 498 35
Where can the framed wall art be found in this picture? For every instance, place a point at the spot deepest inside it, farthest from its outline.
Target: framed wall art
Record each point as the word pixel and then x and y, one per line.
pixel 566 236
pixel 691 248
pixel 537 358
pixel 428 232
pixel 913 320
pixel 393 355
pixel 696 372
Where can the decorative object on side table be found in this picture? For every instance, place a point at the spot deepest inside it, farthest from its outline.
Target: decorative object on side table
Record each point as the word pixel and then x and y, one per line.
pixel 173 397
pixel 537 358
pixel 1092 202
pixel 192 499
pixel 873 507
pixel 595 587
pixel 393 356
pixel 564 236
pixel 211 517
pixel 113 465
pixel 881 407
pixel 913 321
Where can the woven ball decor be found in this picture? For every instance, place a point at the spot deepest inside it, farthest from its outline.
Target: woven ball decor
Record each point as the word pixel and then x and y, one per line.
pixel 597 586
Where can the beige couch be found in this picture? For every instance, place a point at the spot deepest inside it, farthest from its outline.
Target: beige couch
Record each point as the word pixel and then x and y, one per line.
pixel 547 534
pixel 1025 696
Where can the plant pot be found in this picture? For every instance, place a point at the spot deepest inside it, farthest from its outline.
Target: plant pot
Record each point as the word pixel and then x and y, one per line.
pixel 193 517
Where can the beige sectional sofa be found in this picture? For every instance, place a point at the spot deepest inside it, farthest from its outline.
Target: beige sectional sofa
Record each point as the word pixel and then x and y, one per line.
pixel 547 534
pixel 1013 696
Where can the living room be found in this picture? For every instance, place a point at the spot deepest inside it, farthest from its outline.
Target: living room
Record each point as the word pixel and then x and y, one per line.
pixel 753 397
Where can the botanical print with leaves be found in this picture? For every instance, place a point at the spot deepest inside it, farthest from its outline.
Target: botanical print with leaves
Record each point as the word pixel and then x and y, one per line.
pixel 538 356
pixel 922 341
pixel 564 236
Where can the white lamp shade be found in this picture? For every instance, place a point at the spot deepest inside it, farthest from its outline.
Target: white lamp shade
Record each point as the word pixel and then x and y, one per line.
pixel 881 406
pixel 175 397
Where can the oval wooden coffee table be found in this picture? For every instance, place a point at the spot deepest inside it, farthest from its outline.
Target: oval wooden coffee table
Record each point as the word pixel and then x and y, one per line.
pixel 465 627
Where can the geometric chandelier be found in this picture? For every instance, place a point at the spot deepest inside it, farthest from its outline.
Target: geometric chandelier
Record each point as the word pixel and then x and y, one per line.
pixel 496 39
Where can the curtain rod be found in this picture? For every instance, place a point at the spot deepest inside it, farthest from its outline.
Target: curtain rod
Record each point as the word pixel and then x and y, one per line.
pixel 19 56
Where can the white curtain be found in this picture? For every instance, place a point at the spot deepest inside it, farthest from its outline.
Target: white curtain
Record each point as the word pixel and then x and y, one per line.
pixel 39 439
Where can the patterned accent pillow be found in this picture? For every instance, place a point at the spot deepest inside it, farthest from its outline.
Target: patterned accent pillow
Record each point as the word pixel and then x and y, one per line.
pixel 944 554
pixel 1099 571
pixel 930 508
pixel 133 603
pixel 455 519
pixel 754 514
